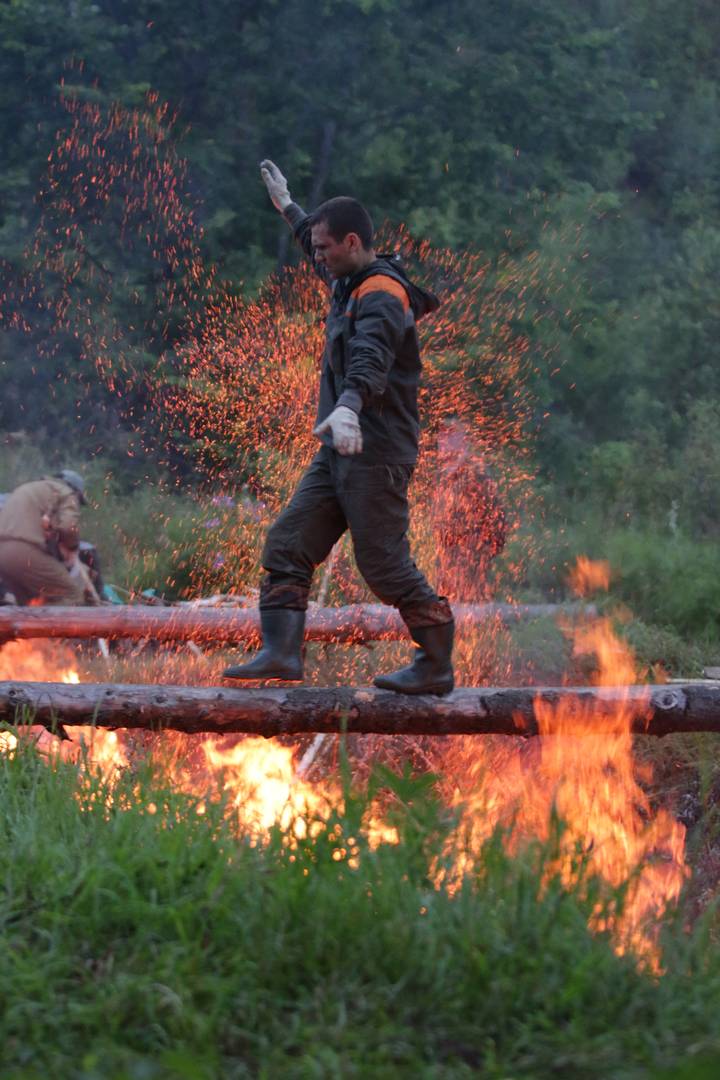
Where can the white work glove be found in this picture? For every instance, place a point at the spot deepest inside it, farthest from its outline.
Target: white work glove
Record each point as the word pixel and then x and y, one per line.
pixel 345 427
pixel 276 184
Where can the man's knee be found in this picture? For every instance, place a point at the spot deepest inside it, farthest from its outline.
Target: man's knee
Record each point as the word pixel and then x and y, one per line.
pixel 284 554
pixel 296 545
pixel 48 580
pixel 275 546
pixel 390 574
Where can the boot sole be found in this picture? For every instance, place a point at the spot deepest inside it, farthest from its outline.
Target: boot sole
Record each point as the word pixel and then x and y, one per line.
pixel 265 678
pixel 434 691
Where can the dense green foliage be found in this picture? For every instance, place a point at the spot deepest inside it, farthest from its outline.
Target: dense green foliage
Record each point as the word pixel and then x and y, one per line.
pixel 586 132
pixel 474 123
pixel 143 940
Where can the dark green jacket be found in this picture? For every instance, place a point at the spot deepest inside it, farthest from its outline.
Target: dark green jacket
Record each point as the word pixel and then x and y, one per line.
pixel 371 361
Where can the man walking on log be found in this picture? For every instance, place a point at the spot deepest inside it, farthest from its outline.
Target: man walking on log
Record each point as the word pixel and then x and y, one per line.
pixel 368 426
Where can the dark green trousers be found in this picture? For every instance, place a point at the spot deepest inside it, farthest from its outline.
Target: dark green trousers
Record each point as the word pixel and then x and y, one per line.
pixel 343 492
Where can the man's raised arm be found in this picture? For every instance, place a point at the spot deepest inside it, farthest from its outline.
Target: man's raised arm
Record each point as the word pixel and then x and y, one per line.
pixel 297 219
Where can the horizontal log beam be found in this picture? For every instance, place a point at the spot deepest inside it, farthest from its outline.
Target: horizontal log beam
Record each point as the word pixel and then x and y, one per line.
pixel 353 624
pixel 661 710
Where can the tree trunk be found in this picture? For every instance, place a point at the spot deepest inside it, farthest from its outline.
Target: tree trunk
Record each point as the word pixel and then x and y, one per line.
pixel 657 710
pixel 322 165
pixel 353 624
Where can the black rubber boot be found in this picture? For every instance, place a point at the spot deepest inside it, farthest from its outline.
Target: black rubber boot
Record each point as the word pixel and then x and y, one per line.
pixel 431 671
pixel 281 655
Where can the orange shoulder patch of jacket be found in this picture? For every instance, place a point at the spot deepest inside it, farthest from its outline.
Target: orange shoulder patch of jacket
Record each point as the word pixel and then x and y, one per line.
pixel 383 283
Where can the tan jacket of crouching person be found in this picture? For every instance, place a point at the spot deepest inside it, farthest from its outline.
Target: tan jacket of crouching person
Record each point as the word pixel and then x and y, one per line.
pixel 39 539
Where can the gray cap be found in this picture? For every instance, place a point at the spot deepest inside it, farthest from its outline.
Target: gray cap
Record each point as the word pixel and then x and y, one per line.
pixel 75 481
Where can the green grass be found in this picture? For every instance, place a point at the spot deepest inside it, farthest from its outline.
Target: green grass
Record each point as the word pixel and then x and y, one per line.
pixel 158 945
pixel 669 580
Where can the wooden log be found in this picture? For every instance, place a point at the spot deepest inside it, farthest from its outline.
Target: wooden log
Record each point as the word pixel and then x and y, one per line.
pixel 353 624
pixel 661 710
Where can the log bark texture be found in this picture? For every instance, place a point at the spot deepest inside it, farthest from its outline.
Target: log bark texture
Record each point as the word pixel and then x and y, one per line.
pixel 661 710
pixel 350 625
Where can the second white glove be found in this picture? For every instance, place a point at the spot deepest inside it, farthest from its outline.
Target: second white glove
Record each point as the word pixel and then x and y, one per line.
pixel 344 424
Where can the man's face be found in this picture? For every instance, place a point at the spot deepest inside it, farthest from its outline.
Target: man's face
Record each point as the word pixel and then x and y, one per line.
pixel 340 257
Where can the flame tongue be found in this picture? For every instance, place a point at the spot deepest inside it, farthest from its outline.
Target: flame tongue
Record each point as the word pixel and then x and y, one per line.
pixel 259 778
pixel 589 575
pixel 590 779
pixel 51 661
pixel 38 661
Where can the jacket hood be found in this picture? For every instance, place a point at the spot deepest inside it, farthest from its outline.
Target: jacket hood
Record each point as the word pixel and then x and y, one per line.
pixel 422 301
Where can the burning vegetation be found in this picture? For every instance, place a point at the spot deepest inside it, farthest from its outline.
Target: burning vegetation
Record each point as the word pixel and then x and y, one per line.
pixel 580 771
pixel 230 382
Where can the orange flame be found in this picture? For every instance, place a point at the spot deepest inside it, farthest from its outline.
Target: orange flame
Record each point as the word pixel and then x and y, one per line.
pixel 582 768
pixel 589 575
pixel 50 661
pixel 37 661
pixel 263 788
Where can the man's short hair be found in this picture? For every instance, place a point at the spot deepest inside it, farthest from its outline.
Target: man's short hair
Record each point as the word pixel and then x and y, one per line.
pixel 344 215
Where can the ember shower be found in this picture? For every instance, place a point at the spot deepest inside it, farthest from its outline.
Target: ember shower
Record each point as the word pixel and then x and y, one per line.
pixel 229 383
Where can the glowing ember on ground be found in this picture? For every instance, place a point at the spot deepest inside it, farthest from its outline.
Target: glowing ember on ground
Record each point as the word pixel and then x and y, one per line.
pixel 8 742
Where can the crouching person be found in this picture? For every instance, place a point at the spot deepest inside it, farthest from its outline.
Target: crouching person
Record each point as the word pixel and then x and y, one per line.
pixel 39 542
